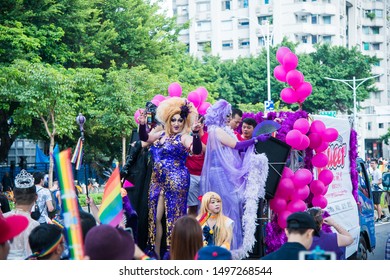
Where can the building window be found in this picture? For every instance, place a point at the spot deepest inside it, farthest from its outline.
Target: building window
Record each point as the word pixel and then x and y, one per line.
pixel 378 79
pixel 327 39
pixel 244 43
pixel 266 2
pixel 366 46
pixel 366 30
pixel 227 45
pixel 369 126
pixel 314 19
pixel 226 5
pixel 243 23
pixel 204 25
pixel 327 19
pixel 243 3
pixel 261 41
pixel 376 46
pixel 203 6
pixel 304 39
pixel 226 25
pixel 302 19
pixel 378 13
pixel 380 125
pixel 375 30
pixel 314 39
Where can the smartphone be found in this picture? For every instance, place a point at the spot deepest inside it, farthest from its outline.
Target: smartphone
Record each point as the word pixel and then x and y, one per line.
pixel 315 255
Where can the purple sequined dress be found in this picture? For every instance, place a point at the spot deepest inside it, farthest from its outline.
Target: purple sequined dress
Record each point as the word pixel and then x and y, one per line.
pixel 171 178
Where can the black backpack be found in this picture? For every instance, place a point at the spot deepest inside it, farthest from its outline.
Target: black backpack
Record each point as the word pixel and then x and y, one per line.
pixel 36 213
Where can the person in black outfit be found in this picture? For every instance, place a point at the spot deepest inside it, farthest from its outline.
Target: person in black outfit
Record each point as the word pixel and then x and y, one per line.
pixel 300 230
pixel 8 185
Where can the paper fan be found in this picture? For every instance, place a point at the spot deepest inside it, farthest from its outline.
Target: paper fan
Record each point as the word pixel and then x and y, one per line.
pixel 266 127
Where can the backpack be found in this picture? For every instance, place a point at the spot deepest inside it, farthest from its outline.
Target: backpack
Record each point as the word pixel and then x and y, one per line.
pixel 53 213
pixel 36 213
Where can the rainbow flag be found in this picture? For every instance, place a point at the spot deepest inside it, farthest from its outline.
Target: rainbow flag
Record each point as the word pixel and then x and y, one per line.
pixel 77 157
pixel 70 208
pixel 111 210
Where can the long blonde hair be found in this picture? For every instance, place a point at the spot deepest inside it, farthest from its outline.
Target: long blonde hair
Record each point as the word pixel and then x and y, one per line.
pixel 222 232
pixel 172 106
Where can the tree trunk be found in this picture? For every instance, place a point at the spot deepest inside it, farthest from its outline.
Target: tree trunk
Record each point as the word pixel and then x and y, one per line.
pixel 123 150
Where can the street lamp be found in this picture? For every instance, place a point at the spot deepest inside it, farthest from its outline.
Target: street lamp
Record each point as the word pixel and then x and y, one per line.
pixel 354 87
pixel 80 119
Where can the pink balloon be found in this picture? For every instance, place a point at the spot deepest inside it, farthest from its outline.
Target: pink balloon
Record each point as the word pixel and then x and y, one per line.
pixel 280 73
pixel 288 95
pixel 203 93
pixel 302 125
pixel 326 176
pixel 323 146
pixel 290 61
pixel 294 138
pixel 317 126
pixel 281 52
pixel 195 98
pixel 202 109
pixel 330 134
pixel 159 97
pixel 175 89
pixel 301 193
pixel 317 187
pixel 285 188
pixel 315 140
pixel 282 218
pixel 302 177
pixel 136 115
pixel 325 190
pixel 319 201
pixel 278 204
pixel 294 78
pixel 320 160
pixel 296 205
pixel 303 91
pixel 155 102
pixel 304 143
pixel 287 173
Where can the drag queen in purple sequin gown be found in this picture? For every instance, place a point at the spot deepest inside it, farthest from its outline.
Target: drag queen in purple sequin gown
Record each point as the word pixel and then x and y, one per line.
pixel 170 178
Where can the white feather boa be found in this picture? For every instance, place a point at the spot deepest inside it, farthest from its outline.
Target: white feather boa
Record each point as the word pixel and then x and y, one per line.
pixel 254 190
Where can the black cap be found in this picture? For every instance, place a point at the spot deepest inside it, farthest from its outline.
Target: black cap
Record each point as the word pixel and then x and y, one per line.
pixel 299 220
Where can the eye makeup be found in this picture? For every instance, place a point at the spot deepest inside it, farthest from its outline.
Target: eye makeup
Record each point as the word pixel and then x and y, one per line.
pixel 180 120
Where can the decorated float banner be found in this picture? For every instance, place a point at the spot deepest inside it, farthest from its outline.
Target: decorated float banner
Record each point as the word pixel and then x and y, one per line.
pixel 341 202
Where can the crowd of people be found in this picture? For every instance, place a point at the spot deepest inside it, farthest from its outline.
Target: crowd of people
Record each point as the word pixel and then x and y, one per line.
pixel 184 168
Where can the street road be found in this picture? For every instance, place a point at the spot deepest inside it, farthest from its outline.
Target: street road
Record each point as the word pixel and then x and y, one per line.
pixel 382 232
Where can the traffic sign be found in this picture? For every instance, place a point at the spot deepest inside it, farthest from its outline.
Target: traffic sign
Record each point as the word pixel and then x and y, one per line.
pixel 328 113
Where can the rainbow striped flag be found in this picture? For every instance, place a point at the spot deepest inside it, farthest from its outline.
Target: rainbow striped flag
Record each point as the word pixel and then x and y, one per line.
pixel 77 157
pixel 70 208
pixel 111 210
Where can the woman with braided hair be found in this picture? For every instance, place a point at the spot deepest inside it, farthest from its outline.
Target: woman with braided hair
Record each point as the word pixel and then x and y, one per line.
pixel 170 178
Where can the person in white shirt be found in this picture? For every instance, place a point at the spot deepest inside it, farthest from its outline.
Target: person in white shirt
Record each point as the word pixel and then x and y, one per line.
pixel 377 188
pixel 44 200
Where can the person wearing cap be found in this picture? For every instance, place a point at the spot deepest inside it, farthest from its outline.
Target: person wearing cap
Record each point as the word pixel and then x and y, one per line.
pixel 46 242
pixel 215 253
pixel 25 197
pixel 105 242
pixel 10 227
pixel 330 241
pixel 300 230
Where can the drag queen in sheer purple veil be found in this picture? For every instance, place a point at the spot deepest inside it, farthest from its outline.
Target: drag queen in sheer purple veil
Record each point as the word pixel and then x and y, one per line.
pixel 234 171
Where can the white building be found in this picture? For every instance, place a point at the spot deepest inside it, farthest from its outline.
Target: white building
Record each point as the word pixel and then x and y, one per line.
pixel 235 28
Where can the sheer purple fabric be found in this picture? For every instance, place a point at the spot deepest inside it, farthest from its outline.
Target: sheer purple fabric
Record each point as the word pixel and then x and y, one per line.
pixel 225 172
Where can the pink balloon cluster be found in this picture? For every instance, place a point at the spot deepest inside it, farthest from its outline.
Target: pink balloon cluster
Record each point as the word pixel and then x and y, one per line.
pixel 286 72
pixel 198 98
pixel 291 192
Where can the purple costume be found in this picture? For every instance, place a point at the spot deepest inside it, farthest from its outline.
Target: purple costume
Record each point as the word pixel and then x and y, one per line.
pixel 327 241
pixel 171 178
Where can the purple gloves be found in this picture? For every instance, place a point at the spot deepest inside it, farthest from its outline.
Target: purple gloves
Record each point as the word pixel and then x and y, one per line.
pixel 245 144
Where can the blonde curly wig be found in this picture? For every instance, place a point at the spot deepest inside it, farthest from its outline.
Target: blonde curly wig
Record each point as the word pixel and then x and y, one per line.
pixel 170 107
